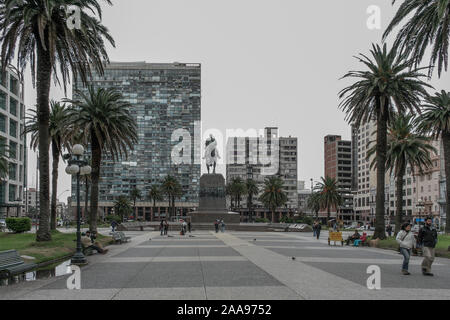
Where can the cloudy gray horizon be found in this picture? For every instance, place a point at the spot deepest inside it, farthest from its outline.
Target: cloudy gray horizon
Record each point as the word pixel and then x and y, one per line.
pixel 264 62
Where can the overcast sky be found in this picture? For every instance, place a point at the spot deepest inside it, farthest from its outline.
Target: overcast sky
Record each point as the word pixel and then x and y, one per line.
pixel 264 62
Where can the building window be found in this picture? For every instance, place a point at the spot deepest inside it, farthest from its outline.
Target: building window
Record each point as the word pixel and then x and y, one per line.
pixel 14 85
pixel 2 100
pixel 13 107
pixel 12 193
pixel 13 171
pixel 12 150
pixel 13 128
pixel 2 123
pixel 2 192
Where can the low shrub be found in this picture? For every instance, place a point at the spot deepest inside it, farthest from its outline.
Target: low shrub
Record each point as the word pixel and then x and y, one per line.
pixel 112 218
pixel 18 225
pixel 262 220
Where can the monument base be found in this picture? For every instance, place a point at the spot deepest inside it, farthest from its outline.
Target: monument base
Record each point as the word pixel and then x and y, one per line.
pixel 210 217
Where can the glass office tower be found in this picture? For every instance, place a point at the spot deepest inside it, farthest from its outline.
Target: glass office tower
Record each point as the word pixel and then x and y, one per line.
pixel 12 122
pixel 165 98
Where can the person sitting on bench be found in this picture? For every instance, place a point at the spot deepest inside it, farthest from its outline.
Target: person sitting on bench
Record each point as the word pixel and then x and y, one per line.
pixel 88 241
pixel 353 237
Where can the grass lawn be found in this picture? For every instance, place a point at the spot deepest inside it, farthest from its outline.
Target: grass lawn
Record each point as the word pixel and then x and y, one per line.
pixel 441 248
pixel 62 244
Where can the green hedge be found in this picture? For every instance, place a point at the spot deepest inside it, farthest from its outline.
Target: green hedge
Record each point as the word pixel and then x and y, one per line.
pixel 112 218
pixel 18 225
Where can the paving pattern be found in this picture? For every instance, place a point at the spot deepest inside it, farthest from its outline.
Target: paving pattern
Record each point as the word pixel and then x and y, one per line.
pixel 242 266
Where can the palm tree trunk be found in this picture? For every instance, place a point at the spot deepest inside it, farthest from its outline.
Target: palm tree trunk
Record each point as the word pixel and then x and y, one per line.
pixel 43 74
pixel 273 216
pixel 446 143
pixel 173 207
pixel 399 204
pixel 55 164
pixel 380 228
pixel 329 213
pixel 95 176
pixel 153 211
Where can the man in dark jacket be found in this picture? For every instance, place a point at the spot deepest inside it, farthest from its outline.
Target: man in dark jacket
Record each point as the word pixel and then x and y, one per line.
pixel 428 237
pixel 318 229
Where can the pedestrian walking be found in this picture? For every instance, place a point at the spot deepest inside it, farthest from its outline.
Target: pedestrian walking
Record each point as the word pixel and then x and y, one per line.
pixel 314 227
pixel 184 225
pixel 406 240
pixel 318 229
pixel 161 227
pixel 216 226
pixel 113 225
pixel 189 226
pixel 222 225
pixel 389 230
pixel 166 228
pixel 428 238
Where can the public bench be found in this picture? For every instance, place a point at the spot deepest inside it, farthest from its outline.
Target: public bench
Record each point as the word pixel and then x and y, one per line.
pixel 335 237
pixel 11 264
pixel 120 237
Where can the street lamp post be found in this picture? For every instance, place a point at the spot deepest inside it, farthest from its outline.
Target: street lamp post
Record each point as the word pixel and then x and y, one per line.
pixel 79 167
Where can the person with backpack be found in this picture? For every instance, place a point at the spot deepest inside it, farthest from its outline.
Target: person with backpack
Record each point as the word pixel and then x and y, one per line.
pixel 428 238
pixel 406 240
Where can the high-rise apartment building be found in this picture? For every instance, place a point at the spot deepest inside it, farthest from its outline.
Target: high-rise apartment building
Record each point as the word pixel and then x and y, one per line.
pixel 165 101
pixel 12 123
pixel 338 165
pixel 365 179
pixel 244 160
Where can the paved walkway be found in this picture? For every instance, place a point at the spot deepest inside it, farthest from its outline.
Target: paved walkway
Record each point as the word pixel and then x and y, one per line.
pixel 239 265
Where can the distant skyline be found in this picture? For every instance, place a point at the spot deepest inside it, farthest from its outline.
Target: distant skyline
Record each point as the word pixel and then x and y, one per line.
pixel 265 63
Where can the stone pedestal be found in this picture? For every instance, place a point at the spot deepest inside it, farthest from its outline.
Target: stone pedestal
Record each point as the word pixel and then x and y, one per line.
pixel 212 202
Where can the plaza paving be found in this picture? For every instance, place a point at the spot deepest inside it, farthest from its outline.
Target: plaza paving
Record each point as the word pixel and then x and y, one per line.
pixel 239 265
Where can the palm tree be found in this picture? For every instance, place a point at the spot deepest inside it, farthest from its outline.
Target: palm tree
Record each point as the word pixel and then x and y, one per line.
pixel 390 84
pixel 252 191
pixel 58 122
pixel 427 27
pixel 154 194
pixel 238 189
pixel 122 207
pixel 4 167
pixel 314 203
pixel 135 194
pixel 105 122
pixel 273 195
pixel 40 32
pixel 172 188
pixel 329 195
pixel 229 192
pixel 435 120
pixel 404 147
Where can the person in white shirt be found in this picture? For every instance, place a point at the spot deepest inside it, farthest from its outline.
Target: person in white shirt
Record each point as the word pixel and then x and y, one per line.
pixel 406 240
